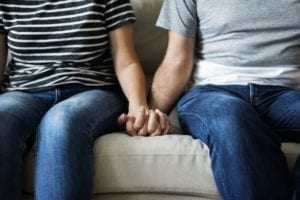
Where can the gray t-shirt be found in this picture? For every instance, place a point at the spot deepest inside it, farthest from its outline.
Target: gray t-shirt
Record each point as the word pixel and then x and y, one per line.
pixel 239 33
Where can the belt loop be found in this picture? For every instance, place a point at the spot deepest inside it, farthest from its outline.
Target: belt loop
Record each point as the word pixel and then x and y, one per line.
pixel 252 92
pixel 57 95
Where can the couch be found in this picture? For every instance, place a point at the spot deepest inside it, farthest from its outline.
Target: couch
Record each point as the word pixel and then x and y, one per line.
pixel 172 167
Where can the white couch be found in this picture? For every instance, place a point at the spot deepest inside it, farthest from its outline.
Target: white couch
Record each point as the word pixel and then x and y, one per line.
pixel 173 167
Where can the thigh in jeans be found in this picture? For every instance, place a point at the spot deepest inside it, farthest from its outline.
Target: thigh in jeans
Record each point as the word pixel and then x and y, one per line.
pixel 239 142
pixel 65 139
pixel 283 115
pixel 20 114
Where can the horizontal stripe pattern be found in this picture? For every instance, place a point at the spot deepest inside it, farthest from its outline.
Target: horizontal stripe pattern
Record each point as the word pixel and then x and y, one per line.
pixel 61 42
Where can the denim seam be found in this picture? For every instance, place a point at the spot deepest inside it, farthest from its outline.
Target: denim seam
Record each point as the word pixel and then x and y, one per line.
pixel 25 136
pixel 223 183
pixel 86 133
pixel 35 146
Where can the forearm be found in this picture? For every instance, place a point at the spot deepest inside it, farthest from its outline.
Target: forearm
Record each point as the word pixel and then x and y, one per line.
pixel 3 56
pixel 168 85
pixel 132 81
pixel 173 74
pixel 127 66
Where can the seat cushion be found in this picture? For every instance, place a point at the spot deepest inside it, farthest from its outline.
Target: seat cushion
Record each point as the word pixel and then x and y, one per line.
pixel 165 164
pixel 176 164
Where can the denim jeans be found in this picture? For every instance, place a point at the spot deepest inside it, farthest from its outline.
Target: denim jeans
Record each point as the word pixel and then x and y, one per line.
pixel 243 126
pixel 64 123
pixel 296 180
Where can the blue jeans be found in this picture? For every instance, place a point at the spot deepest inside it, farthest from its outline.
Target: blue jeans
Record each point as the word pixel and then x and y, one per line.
pixel 64 122
pixel 243 126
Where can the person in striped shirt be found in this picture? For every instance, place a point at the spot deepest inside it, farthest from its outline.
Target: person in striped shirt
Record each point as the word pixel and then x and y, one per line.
pixel 73 72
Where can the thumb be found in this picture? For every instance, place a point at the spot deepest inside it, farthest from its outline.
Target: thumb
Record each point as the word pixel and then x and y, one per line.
pixel 122 121
pixel 140 119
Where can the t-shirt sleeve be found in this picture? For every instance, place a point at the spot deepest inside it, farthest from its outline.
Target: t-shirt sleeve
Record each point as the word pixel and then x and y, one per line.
pixel 179 16
pixel 117 13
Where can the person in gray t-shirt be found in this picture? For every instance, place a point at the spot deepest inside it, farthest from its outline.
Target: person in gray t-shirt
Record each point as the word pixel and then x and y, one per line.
pixel 244 58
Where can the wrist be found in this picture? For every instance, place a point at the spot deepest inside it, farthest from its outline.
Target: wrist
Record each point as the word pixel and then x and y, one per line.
pixel 137 106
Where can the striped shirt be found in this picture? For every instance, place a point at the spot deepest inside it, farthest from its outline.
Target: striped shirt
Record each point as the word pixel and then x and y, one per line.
pixel 59 42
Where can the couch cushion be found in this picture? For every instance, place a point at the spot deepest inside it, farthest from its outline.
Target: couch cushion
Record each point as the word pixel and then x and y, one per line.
pixel 291 152
pixel 166 164
pixel 174 164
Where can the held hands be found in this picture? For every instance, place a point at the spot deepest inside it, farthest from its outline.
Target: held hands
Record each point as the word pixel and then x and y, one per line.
pixel 145 122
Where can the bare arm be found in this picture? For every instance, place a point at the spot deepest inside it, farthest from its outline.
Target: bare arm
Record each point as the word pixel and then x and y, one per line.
pixel 132 80
pixel 139 120
pixel 3 56
pixel 127 66
pixel 173 74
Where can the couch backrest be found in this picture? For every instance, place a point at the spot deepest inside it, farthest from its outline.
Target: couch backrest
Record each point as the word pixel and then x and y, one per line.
pixel 150 41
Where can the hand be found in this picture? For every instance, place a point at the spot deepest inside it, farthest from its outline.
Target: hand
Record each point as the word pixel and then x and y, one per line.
pixel 164 122
pixel 134 122
pixel 158 123
pixel 145 122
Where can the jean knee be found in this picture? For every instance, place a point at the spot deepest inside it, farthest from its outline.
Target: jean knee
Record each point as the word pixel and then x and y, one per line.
pixel 58 119
pixel 219 111
pixel 220 118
